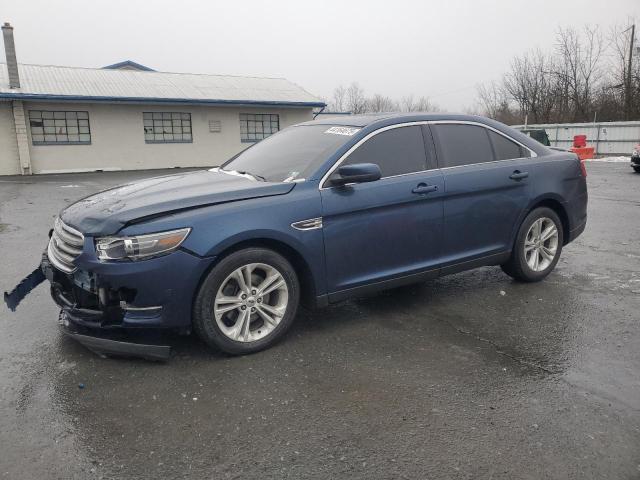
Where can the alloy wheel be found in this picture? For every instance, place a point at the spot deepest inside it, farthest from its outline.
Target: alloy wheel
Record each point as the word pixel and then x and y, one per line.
pixel 251 302
pixel 541 244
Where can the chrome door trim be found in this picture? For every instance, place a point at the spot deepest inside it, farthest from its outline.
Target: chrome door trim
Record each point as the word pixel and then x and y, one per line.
pixel 482 163
pixel 421 122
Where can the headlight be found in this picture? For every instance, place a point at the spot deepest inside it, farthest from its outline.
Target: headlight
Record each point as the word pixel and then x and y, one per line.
pixel 140 246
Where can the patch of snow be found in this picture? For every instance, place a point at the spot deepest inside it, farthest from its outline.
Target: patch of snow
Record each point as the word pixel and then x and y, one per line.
pixel 611 159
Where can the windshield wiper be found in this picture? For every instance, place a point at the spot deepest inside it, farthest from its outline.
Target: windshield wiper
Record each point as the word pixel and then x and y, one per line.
pixel 254 175
pixel 243 172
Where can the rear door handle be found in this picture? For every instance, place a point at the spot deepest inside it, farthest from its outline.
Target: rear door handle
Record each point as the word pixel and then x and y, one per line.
pixel 423 188
pixel 518 175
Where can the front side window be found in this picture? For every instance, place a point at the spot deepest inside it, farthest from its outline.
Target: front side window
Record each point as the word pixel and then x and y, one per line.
pixel 461 144
pixel 167 127
pixel 59 128
pixel 396 151
pixel 257 126
pixel 506 149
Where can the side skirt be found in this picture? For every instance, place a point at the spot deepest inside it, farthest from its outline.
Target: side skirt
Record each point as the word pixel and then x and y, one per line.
pixel 495 259
pixel 383 285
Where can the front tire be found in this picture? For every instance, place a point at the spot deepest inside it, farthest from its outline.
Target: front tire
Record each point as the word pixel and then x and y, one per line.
pixel 247 302
pixel 537 247
pixel 637 169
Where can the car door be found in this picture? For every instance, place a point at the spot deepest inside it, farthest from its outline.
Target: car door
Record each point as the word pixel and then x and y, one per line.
pixel 487 187
pixel 389 228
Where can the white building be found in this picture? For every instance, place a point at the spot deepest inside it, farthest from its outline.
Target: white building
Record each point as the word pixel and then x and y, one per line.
pixel 127 116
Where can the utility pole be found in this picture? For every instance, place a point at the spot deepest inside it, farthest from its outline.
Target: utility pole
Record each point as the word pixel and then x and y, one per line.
pixel 628 89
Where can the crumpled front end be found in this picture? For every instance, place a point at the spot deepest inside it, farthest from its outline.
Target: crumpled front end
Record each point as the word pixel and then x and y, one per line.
pixel 151 293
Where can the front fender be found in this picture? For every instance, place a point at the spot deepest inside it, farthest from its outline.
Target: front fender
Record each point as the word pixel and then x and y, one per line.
pixel 305 245
pixel 220 227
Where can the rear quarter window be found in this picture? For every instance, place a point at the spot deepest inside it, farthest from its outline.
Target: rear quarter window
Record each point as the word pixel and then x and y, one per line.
pixel 506 149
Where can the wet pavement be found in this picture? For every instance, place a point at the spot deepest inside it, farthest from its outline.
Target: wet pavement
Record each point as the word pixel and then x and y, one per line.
pixel 468 376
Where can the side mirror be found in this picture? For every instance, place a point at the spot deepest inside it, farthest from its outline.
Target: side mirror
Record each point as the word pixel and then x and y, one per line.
pixel 356 173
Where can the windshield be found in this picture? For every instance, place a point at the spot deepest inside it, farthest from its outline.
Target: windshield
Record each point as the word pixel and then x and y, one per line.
pixel 291 154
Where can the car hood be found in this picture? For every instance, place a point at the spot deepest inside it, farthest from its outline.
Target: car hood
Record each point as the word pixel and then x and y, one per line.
pixel 107 212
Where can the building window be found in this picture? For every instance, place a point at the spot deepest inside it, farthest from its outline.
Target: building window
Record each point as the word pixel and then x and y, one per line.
pixel 59 128
pixel 167 127
pixel 215 126
pixel 255 127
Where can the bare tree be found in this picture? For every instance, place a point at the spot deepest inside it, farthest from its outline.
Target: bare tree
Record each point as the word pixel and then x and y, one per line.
pixel 495 103
pixel 577 69
pixel 407 104
pixel 379 103
pixel 356 101
pixel 583 78
pixel 423 104
pixel 531 86
pixel 338 102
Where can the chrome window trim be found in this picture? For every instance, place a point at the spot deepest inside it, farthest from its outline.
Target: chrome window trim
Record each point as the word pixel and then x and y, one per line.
pixel 482 163
pixel 360 142
pixel 489 127
pixel 420 122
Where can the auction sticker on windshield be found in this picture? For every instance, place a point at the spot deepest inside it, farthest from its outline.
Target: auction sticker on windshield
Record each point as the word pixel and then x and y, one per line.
pixel 343 131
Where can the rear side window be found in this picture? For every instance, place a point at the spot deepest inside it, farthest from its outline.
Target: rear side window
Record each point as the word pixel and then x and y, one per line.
pixel 462 145
pixel 506 149
pixel 396 151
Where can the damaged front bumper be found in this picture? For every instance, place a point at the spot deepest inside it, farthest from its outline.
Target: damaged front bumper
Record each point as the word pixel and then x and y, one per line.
pixel 31 281
pixel 110 344
pixel 155 293
pixel 104 304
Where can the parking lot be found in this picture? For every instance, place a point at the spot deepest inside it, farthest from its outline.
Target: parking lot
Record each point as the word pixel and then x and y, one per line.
pixel 468 376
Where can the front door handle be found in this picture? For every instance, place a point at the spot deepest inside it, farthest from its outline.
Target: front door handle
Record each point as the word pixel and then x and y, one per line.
pixel 423 189
pixel 518 175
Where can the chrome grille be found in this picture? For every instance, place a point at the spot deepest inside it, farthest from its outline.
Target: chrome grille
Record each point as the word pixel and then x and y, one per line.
pixel 65 246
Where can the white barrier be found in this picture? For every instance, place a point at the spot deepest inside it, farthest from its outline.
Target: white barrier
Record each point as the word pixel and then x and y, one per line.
pixel 608 138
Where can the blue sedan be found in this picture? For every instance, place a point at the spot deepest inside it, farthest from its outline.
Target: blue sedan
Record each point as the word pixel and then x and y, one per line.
pixel 317 213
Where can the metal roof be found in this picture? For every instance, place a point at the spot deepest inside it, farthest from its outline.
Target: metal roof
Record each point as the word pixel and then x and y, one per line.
pixel 131 64
pixel 45 82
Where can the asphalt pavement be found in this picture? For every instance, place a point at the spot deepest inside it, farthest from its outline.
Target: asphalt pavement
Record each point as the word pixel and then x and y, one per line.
pixel 469 376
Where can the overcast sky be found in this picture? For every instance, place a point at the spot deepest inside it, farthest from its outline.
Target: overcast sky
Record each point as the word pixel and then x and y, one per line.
pixel 440 49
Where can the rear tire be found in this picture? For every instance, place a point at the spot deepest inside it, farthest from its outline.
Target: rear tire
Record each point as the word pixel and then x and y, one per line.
pixel 247 302
pixel 537 247
pixel 637 169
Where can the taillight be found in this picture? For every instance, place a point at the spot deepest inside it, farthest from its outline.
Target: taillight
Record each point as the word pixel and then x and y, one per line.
pixel 583 168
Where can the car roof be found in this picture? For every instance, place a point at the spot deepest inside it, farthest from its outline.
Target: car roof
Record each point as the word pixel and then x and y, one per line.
pixel 390 118
pixel 372 122
pixel 351 120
